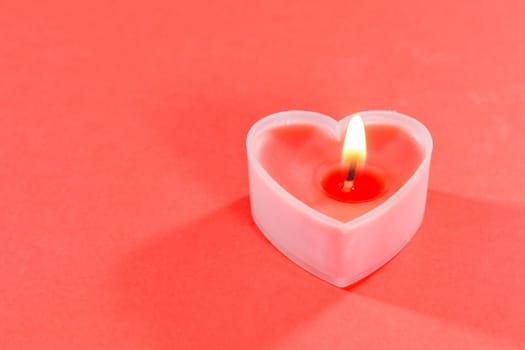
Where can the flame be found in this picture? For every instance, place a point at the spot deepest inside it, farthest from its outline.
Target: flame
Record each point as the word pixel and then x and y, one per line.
pixel 354 148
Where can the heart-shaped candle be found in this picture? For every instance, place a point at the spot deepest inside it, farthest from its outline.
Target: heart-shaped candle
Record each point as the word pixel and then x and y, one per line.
pixel 338 218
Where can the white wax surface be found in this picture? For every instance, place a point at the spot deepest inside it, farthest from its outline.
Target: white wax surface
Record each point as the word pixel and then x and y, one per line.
pixel 298 156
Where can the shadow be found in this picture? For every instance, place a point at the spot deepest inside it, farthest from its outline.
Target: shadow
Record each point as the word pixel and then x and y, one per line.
pixel 216 281
pixel 465 265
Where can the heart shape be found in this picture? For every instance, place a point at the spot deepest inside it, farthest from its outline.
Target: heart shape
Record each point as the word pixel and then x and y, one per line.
pixel 288 155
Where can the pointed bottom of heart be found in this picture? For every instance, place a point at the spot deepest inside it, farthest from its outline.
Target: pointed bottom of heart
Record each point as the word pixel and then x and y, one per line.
pixel 338 282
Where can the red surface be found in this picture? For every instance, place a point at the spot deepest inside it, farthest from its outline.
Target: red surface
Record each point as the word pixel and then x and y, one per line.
pixel 124 216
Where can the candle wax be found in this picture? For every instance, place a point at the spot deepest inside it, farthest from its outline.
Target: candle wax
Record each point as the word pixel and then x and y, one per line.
pixel 299 158
pixel 367 185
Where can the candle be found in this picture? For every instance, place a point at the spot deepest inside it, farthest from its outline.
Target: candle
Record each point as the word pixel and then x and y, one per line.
pixel 352 182
pixel 339 213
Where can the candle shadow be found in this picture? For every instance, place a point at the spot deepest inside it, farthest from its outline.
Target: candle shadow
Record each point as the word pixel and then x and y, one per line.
pixel 466 265
pixel 217 281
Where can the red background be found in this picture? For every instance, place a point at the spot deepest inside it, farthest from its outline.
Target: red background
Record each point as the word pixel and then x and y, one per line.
pixel 124 211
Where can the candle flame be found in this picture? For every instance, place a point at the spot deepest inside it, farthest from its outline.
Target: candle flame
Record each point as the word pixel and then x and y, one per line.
pixel 354 147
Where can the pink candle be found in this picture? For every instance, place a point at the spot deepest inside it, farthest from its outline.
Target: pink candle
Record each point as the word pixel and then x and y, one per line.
pixel 296 176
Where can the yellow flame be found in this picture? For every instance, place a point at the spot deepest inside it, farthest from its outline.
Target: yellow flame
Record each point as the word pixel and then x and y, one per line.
pixel 354 148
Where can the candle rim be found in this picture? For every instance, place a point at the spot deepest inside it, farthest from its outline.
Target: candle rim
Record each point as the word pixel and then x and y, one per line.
pixel 336 128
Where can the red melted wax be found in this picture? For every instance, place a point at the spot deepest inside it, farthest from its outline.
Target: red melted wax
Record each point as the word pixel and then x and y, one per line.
pixel 368 185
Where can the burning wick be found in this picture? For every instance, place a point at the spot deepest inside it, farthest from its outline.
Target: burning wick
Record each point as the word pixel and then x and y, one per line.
pixel 349 181
pixel 354 150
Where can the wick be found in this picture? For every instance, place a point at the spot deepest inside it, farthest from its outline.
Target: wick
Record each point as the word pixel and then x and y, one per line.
pixel 349 181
